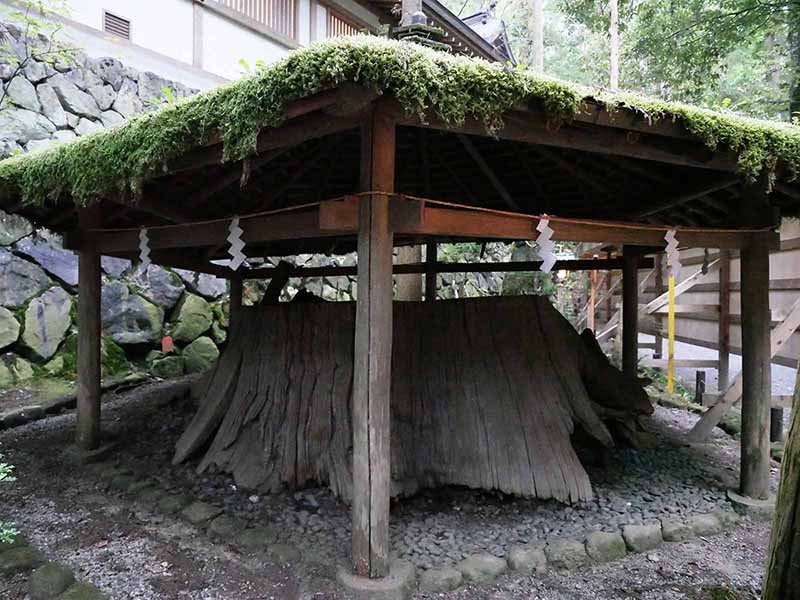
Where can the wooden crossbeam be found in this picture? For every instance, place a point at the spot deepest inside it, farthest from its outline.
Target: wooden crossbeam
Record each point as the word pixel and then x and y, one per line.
pixel 713 415
pixel 690 363
pixel 692 309
pixel 680 288
pixel 778 401
pixel 409 217
pixel 446 267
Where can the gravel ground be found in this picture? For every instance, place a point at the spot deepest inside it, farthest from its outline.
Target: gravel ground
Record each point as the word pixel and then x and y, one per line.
pixel 132 552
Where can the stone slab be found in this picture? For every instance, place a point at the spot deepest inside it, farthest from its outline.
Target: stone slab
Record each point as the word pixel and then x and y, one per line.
pixel 200 513
pixel 399 584
pixel 440 580
pixel 49 580
pixel 602 546
pixel 482 568
pixel 527 559
pixel 642 538
pixel 676 531
pixel 762 510
pixel 566 554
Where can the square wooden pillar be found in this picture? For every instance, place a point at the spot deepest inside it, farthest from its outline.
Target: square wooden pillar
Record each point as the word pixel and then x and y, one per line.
pixel 87 435
pixel 756 331
pixel 724 329
pixel 373 352
pixel 235 300
pixel 630 311
pixel 430 273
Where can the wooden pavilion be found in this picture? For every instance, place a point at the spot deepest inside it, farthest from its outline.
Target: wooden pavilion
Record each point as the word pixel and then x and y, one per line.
pixel 371 144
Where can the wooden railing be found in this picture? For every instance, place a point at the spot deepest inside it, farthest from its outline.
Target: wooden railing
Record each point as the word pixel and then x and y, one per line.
pixel 279 15
pixel 338 25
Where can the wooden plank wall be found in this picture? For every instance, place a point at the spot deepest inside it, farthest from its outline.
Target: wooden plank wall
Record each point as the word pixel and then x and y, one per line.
pixel 703 329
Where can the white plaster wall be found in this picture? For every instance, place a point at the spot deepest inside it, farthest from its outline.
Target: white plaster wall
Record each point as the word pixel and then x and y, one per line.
pixel 304 22
pixel 225 43
pixel 164 26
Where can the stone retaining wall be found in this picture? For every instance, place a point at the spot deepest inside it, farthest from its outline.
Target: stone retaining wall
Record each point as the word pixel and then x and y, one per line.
pixel 50 105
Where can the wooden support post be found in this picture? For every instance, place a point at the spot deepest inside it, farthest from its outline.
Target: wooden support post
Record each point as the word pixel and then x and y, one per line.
pixel 630 312
pixel 671 335
pixel 373 352
pixel 775 425
pixel 89 337
pixel 699 386
pixel 409 287
pixel 724 330
pixel 235 305
pixel 431 250
pixel 756 375
pixel 659 341
pixel 609 308
pixel 590 319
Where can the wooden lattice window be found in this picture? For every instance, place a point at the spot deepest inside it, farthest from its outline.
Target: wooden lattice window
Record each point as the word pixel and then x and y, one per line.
pixel 279 15
pixel 116 25
pixel 338 25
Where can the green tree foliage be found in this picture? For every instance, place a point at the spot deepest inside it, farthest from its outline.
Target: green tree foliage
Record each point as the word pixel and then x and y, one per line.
pixel 739 55
pixel 7 532
pixel 40 39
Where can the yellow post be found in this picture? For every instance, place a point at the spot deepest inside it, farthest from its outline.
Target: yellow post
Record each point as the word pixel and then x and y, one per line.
pixel 671 335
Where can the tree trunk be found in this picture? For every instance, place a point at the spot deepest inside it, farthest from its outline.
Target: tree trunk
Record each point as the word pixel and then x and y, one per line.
pixel 793 20
pixel 614 36
pixel 536 27
pixel 486 393
pixel 783 568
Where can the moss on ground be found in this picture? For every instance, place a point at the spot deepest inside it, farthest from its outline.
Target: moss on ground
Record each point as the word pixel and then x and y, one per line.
pixel 423 81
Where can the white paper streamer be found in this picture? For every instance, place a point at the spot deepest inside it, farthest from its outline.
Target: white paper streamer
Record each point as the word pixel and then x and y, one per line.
pixel 545 245
pixel 673 256
pixel 144 248
pixel 237 245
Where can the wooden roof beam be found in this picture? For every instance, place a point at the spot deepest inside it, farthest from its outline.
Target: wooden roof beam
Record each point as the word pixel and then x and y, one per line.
pixel 684 197
pixel 573 170
pixel 487 171
pixel 527 128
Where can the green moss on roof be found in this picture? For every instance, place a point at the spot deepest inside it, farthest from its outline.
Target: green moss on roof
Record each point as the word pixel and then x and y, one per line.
pixel 453 87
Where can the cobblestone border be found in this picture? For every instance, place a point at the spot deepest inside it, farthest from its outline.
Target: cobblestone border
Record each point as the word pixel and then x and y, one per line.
pixel 598 547
pixel 46 579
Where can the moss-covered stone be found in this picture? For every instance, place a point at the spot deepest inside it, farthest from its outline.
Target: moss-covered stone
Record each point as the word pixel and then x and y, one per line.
pixel 47 320
pixel 168 367
pixel 83 591
pixel 423 81
pixel 193 318
pixel 112 357
pixel 20 560
pixel 49 580
pixel 9 328
pixel 200 355
pixel 218 333
pixel 14 370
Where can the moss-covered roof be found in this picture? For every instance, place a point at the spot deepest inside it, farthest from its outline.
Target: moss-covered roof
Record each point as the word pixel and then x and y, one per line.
pixel 422 80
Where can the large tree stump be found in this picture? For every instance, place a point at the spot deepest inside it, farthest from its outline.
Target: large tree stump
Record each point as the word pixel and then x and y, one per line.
pixel 783 568
pixel 486 393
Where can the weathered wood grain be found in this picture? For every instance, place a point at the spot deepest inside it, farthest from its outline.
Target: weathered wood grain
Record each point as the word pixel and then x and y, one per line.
pixel 486 393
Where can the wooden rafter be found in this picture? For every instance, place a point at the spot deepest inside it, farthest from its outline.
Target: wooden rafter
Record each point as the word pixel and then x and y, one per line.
pixel 487 171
